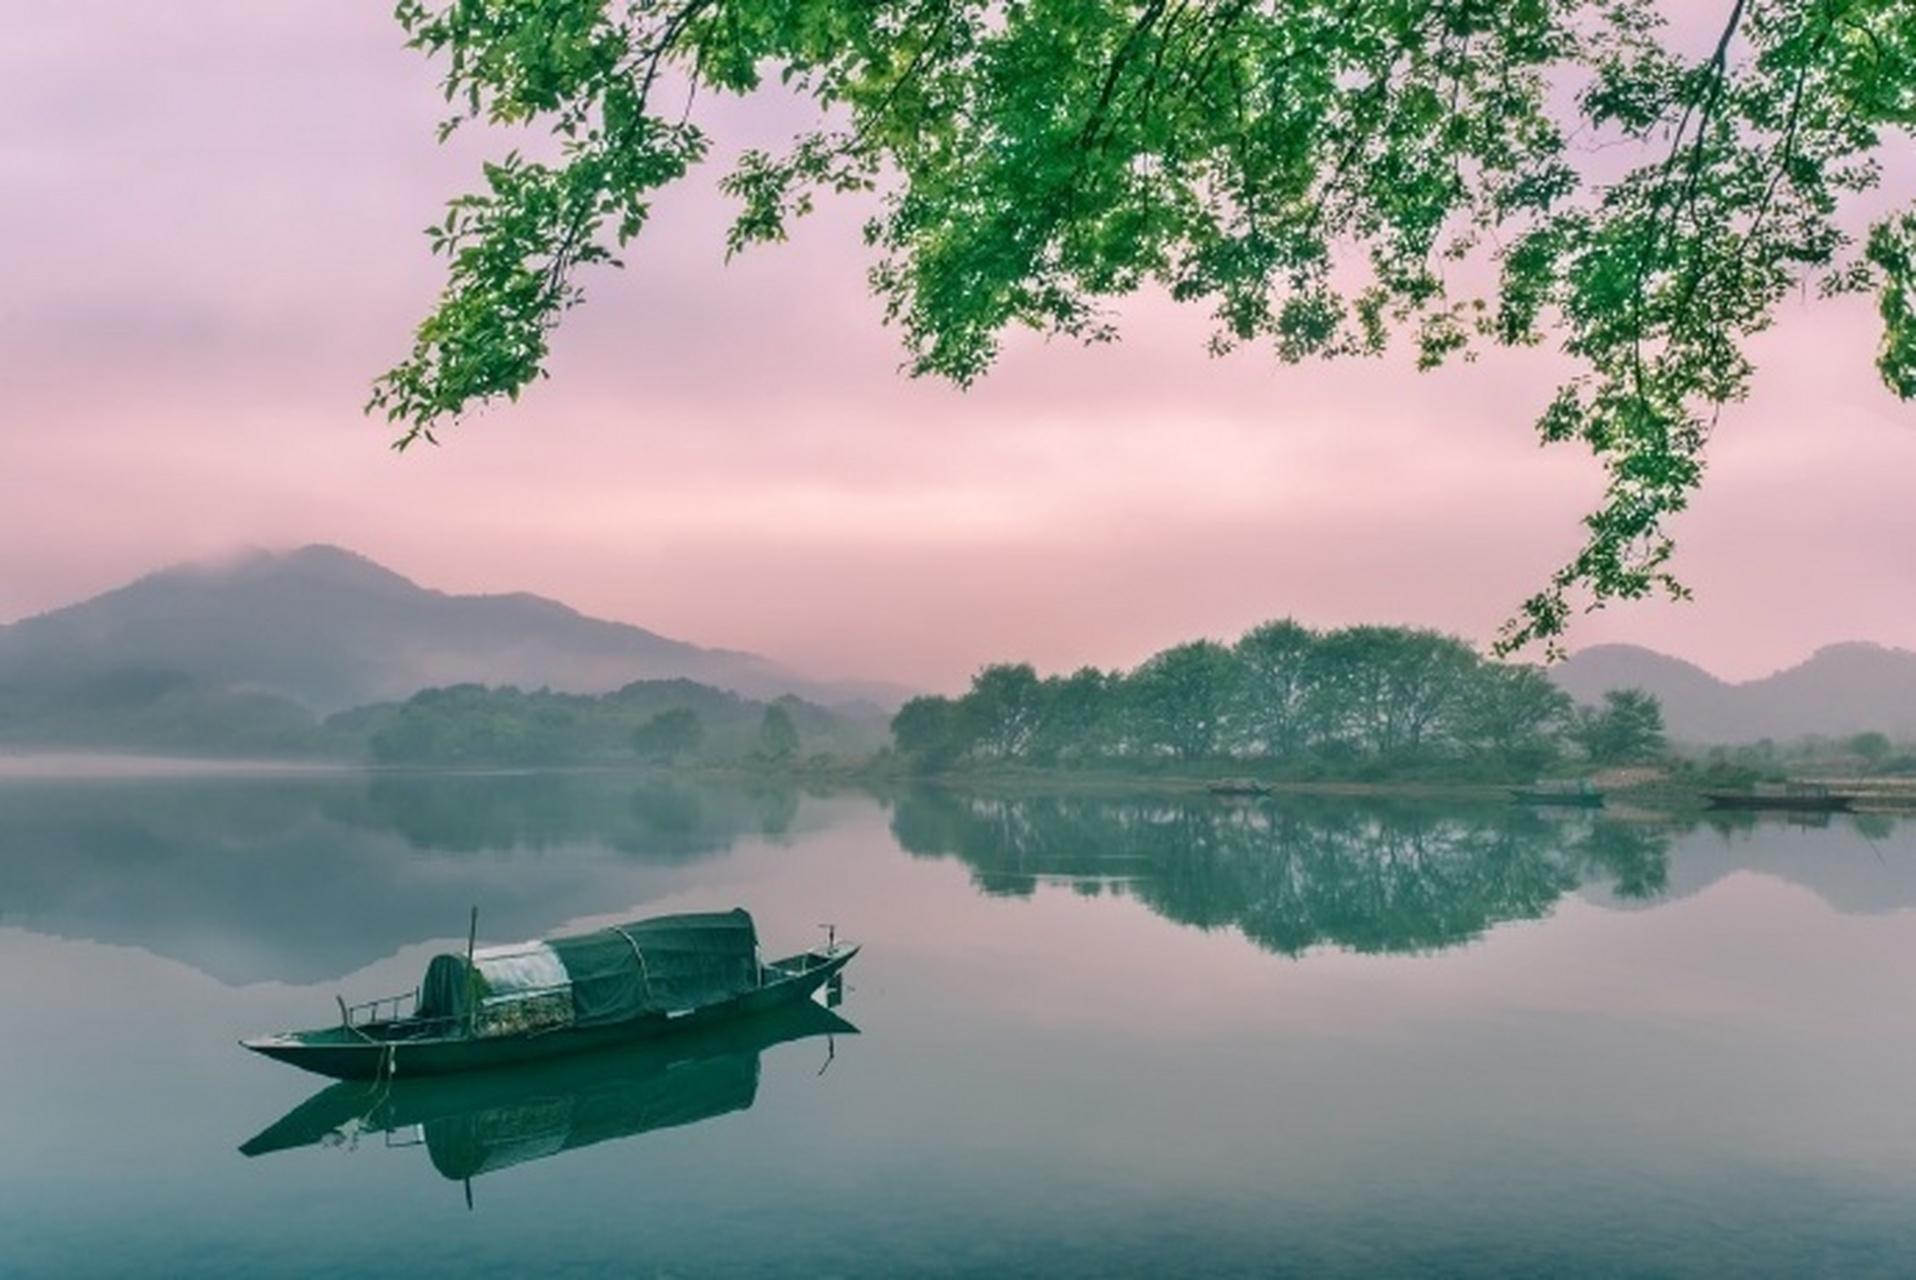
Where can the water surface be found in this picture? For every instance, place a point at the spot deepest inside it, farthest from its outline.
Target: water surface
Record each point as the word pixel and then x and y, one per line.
pixel 1143 1035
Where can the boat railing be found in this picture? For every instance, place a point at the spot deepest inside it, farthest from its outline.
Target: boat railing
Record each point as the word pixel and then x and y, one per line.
pixel 805 961
pixel 536 1006
pixel 394 1008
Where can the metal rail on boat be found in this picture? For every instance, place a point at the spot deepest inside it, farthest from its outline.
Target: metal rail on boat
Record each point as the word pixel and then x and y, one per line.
pixel 405 1004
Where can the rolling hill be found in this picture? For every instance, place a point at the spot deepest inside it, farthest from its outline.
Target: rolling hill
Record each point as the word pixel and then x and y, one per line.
pixel 259 646
pixel 1842 689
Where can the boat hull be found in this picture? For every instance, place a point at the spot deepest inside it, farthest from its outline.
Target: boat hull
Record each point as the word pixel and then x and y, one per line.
pixel 1807 803
pixel 387 1050
pixel 1563 799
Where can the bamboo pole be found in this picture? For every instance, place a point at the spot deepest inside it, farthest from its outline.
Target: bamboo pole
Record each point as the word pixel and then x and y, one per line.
pixel 472 939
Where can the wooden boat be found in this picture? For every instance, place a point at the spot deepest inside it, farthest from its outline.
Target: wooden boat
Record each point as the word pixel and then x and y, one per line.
pixel 1580 792
pixel 498 1006
pixel 481 1122
pixel 1800 797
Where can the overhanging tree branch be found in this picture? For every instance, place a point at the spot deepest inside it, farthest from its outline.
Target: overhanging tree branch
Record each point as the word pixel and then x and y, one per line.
pixel 1038 159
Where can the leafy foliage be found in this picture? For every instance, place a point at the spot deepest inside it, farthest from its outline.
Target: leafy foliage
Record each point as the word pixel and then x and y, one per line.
pixel 664 721
pixel 668 735
pixel 471 724
pixel 149 709
pixel 1179 700
pixel 1628 729
pixel 1321 174
pixel 777 734
pixel 1356 701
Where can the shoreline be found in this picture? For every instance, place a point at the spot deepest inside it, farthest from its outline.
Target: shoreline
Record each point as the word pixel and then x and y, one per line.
pixel 1648 791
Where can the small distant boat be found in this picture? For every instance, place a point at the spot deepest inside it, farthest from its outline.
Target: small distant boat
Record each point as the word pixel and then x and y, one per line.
pixel 496 1006
pixel 1798 797
pixel 1239 787
pixel 1578 792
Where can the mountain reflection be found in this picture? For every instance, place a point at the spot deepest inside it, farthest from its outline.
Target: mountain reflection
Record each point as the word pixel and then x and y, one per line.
pixel 302 879
pixel 493 1120
pixel 1293 873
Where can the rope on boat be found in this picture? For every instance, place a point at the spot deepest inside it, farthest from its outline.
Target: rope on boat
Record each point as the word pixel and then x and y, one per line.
pixel 346 1021
pixel 638 953
pixel 382 1088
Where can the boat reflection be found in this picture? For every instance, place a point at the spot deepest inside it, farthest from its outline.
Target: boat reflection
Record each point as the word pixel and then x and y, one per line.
pixel 491 1120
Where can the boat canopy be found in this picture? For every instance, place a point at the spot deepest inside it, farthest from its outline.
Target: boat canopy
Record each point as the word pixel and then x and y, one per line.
pixel 666 964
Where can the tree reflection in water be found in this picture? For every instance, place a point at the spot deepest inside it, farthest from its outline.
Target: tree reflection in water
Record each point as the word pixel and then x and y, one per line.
pixel 1292 873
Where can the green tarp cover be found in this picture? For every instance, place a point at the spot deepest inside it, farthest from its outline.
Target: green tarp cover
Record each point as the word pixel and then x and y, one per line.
pixel 662 965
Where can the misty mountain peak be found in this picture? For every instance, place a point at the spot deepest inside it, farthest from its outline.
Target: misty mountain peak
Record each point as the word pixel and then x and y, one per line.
pixel 318 564
pixel 330 629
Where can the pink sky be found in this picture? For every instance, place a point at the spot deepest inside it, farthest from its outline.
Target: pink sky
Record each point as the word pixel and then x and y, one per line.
pixel 212 245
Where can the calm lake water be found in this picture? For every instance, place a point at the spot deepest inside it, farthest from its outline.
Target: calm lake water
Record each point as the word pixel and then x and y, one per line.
pixel 1130 1035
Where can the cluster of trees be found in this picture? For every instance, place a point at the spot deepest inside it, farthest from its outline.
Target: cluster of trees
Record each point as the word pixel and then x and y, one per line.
pixel 663 722
pixel 1359 699
pixel 678 732
pixel 1870 753
pixel 157 710
pixel 656 721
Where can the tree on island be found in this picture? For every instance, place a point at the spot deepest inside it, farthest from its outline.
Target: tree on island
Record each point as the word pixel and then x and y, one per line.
pixel 1322 174
pixel 671 733
pixel 1179 700
pixel 1873 747
pixel 1006 706
pixel 1628 729
pixel 472 724
pixel 1518 716
pixel 1363 700
pixel 777 735
pixel 1274 664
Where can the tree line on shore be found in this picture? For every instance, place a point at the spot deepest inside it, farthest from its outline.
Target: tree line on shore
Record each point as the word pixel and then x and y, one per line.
pixel 1359 701
pixel 657 722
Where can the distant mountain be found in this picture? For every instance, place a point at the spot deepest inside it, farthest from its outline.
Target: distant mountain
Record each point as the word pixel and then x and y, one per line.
pixel 1842 689
pixel 328 629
